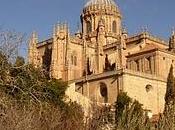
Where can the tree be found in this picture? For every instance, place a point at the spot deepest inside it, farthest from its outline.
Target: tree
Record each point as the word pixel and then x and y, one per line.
pixel 121 104
pixel 100 117
pixel 170 89
pixel 167 119
pixel 28 99
pixel 130 114
pixel 26 92
pixel 19 61
pixel 10 42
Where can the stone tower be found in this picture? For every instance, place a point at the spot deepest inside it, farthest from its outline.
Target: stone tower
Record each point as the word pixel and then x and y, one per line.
pixel 101 25
pixel 172 41
pixel 94 11
pixel 32 52
pixel 59 68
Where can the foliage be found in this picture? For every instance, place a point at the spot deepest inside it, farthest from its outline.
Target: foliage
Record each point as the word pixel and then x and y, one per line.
pixel 44 116
pixel 19 61
pixel 101 118
pixel 170 90
pixel 27 93
pixel 130 114
pixel 30 101
pixel 123 101
pixel 3 67
pixel 167 119
pixel 10 41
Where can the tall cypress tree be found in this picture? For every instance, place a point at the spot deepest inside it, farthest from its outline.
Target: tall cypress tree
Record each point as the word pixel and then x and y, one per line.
pixel 168 118
pixel 170 90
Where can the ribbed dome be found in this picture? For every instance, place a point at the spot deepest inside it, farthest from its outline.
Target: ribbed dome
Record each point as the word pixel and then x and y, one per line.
pixel 100 2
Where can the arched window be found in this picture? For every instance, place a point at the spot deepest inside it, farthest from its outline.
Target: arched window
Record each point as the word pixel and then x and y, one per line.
pixel 88 27
pixel 148 65
pixel 137 65
pixel 46 58
pixel 74 58
pixel 114 27
pixel 104 92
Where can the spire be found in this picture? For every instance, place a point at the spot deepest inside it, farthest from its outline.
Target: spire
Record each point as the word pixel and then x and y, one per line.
pixel 33 40
pixel 124 32
pixel 173 31
pixel 78 32
pixel 32 52
pixel 34 37
pixel 172 40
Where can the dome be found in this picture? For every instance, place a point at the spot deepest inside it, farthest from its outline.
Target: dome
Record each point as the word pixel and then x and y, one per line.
pixel 100 2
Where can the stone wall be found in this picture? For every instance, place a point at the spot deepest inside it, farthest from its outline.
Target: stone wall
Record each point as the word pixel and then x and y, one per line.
pixel 147 89
pixel 165 60
pixel 90 86
pixel 76 61
pixel 78 98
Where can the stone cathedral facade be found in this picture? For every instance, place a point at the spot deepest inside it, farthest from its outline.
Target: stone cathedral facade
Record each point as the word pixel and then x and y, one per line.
pixel 101 59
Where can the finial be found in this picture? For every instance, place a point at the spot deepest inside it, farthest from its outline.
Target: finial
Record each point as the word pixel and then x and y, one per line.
pixel 34 38
pixel 172 40
pixel 34 35
pixel 124 30
pixel 67 27
pixel 144 29
pixel 78 27
pixel 55 26
pixel 64 25
pixel 173 31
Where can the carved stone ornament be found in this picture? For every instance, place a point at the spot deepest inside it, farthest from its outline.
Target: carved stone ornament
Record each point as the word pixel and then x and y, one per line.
pixel 61 36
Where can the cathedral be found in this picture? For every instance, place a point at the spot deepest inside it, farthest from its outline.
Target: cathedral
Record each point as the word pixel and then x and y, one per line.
pixel 102 60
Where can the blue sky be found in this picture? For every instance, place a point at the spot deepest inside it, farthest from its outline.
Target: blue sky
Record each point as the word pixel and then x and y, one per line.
pixel 40 15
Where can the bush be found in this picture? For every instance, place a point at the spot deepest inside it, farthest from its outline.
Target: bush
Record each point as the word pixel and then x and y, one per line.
pixel 130 114
pixel 30 101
